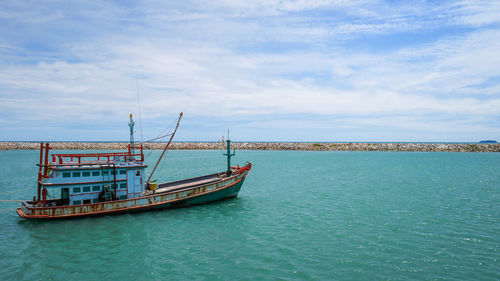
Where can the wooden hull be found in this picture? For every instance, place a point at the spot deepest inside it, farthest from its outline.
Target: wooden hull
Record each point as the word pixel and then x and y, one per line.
pixel 185 193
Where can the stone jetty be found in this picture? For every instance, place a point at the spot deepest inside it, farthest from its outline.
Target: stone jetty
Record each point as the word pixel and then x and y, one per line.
pixel 348 146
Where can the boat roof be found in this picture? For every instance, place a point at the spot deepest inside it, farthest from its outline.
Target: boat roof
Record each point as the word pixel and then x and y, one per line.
pixel 74 160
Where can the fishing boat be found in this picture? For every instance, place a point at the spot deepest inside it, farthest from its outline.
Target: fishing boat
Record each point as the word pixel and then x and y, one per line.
pixel 94 184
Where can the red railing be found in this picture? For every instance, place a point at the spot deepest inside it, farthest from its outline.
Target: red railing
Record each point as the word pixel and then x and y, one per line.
pixel 106 157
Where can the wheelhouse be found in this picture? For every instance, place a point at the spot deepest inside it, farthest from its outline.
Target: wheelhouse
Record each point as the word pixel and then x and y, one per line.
pixel 85 178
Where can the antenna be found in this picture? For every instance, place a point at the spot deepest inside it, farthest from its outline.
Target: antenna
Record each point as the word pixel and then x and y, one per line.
pixel 139 103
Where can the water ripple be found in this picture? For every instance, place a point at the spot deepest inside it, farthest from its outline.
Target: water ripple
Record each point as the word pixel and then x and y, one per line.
pixel 300 216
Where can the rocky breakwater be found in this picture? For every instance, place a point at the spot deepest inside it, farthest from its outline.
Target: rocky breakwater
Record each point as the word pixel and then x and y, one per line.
pixel 449 147
pixel 351 146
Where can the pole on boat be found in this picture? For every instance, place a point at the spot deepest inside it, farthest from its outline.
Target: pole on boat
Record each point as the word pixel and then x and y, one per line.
pixel 39 189
pixel 114 179
pixel 166 147
pixel 46 166
pixel 229 154
pixel 131 125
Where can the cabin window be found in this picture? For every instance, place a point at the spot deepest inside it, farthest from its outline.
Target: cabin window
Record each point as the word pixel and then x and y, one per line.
pixel 66 175
pixel 95 200
pixel 76 189
pixel 87 201
pixel 113 185
pixel 113 173
pixel 76 174
pixel 96 188
pixel 123 197
pixel 95 173
pixel 86 189
pixel 86 174
pixel 138 173
pixel 123 185
pixel 123 172
pixel 105 173
pixel 77 202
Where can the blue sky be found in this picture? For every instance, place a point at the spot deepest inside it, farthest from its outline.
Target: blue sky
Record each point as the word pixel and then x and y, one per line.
pixel 267 70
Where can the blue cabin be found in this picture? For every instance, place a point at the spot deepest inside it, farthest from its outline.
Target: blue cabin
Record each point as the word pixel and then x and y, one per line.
pixel 75 179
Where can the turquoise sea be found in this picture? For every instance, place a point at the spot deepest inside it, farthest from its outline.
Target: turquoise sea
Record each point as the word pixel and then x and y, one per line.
pixel 299 216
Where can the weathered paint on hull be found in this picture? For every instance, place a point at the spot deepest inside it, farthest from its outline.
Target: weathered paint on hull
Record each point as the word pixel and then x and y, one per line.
pixel 183 198
pixel 229 192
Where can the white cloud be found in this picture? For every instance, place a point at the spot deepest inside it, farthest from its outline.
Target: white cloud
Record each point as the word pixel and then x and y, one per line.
pixel 478 12
pixel 232 77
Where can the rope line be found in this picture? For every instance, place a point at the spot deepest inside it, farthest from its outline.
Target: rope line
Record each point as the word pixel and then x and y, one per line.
pixel 7 210
pixel 12 192
pixel 160 137
pixel 169 127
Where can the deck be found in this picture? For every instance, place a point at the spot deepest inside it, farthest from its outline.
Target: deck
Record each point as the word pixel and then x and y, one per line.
pixel 186 184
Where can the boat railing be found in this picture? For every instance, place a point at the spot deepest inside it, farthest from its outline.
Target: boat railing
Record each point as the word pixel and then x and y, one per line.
pixel 99 158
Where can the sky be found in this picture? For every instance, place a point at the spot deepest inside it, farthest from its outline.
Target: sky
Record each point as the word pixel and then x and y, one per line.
pixel 268 70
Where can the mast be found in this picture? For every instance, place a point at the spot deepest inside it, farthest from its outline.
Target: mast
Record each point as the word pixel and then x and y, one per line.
pixel 166 147
pixel 228 154
pixel 131 125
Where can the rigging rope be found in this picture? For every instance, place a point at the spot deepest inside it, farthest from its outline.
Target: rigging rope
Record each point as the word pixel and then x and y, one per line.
pixel 160 135
pixel 156 138
pixel 166 147
pixel 149 154
pixel 162 164
pixel 9 201
pixel 168 128
pixel 139 104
